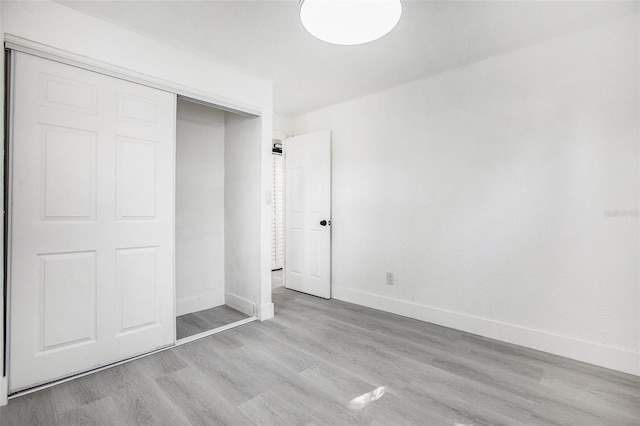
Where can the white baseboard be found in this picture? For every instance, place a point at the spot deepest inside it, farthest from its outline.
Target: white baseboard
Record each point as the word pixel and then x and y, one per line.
pixel 240 304
pixel 589 352
pixel 266 312
pixel 200 302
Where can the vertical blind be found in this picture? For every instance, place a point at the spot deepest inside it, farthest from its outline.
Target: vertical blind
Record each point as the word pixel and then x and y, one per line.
pixel 277 214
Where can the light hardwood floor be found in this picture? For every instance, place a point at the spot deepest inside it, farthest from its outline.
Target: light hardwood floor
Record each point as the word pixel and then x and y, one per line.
pixel 328 362
pixel 208 319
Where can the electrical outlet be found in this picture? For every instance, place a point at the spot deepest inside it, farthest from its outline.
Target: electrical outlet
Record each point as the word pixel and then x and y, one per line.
pixel 389 278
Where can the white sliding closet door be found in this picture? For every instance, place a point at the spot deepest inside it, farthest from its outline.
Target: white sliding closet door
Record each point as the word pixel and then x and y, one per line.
pixel 91 249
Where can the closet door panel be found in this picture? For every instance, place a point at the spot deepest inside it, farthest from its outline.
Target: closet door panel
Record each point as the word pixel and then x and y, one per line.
pixel 89 284
pixel 143 228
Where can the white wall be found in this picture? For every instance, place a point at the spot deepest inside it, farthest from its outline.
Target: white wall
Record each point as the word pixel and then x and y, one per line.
pixel 199 208
pixel 484 190
pixel 282 126
pixel 57 26
pixel 241 198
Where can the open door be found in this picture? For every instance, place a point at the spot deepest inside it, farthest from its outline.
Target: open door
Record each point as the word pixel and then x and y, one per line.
pixel 308 213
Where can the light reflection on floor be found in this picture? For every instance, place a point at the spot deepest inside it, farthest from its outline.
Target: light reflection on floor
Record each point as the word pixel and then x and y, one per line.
pixel 363 400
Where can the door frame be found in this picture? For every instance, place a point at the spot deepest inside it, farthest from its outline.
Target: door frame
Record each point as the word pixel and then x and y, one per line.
pixel 18 44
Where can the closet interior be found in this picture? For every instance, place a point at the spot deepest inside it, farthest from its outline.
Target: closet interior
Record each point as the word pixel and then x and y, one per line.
pixel 210 148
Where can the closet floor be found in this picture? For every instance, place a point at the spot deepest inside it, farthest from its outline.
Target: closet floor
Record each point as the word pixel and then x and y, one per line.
pixel 201 321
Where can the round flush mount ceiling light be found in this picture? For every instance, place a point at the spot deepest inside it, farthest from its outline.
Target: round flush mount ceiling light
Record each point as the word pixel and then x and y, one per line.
pixel 349 22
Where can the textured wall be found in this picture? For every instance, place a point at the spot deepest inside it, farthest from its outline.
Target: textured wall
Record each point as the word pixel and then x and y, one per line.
pixel 485 190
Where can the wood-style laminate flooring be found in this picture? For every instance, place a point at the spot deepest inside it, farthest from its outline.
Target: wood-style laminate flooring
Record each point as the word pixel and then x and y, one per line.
pixel 208 319
pixel 327 362
pixel 277 279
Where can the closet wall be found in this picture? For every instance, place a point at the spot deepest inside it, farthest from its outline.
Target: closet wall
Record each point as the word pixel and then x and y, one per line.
pixel 217 164
pixel 199 207
pixel 242 198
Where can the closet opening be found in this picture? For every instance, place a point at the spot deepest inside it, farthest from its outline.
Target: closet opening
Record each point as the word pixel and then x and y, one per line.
pixel 211 207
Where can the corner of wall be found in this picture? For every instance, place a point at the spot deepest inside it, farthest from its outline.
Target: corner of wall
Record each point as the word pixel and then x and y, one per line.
pixel 282 126
pixel 266 312
pixel 241 304
pixel 210 299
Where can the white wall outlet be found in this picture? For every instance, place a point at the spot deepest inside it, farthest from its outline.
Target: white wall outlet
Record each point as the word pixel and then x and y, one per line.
pixel 389 278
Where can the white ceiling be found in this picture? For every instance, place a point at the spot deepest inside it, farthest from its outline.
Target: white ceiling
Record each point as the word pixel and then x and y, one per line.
pixel 265 39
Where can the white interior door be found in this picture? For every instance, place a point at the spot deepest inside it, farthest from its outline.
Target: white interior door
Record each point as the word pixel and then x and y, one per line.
pixel 308 213
pixel 91 220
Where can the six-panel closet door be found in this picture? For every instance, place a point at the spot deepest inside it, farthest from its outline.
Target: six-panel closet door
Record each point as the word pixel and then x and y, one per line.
pixel 91 220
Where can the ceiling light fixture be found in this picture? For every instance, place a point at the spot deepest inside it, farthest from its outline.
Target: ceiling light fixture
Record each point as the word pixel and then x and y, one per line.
pixel 349 22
